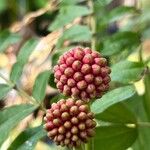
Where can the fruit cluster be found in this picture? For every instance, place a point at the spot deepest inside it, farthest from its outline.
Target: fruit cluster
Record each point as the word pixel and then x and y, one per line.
pixel 82 74
pixel 69 122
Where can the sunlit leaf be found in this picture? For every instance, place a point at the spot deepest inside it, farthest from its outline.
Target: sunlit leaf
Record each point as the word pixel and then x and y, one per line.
pixel 4 89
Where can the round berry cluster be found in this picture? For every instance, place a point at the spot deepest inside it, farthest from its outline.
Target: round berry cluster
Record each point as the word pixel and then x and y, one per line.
pixel 82 73
pixel 69 122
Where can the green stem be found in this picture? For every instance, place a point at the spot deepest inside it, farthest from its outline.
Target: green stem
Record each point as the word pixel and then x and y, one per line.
pixel 144 124
pixel 92 25
pixel 146 96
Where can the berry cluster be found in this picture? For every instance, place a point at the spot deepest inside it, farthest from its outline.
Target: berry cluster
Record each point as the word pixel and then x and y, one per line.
pixel 69 122
pixel 82 74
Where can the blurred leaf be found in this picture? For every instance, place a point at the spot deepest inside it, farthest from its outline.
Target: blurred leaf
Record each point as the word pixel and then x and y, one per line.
pixel 146 34
pixel 51 80
pixel 16 72
pixel 102 2
pixel 68 14
pixel 7 38
pixel 40 84
pixel 3 5
pixel 114 137
pixel 111 114
pixel 70 2
pixel 11 116
pixel 28 139
pixel 76 33
pixel 22 59
pixel 4 89
pixel 118 13
pixel 130 71
pixel 120 42
pixel 112 97
pixel 26 51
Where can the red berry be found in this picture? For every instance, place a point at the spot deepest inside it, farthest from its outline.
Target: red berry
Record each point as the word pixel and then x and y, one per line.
pixel 82 73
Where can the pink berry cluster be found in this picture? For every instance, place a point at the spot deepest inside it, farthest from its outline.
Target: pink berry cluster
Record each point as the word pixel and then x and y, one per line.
pixel 69 122
pixel 82 73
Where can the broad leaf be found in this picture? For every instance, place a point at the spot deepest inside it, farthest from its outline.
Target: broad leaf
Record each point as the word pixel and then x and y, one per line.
pixel 77 33
pixel 118 113
pixel 26 51
pixel 4 89
pixel 130 71
pixel 119 42
pixel 114 137
pixel 68 14
pixel 111 98
pixel 28 139
pixel 11 116
pixel 40 84
pixel 22 59
pixel 16 72
pixel 7 38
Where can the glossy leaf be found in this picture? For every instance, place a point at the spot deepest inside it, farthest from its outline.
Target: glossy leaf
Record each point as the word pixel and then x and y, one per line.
pixel 40 84
pixel 112 97
pixel 7 38
pixel 111 114
pixel 130 71
pixel 76 33
pixel 114 137
pixel 68 14
pixel 11 116
pixel 4 89
pixel 28 139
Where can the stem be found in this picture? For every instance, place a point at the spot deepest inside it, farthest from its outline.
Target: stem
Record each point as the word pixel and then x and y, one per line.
pixel 92 25
pixel 144 124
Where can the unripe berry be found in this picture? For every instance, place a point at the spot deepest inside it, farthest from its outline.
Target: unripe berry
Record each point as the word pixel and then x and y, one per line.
pixel 82 73
pixel 72 126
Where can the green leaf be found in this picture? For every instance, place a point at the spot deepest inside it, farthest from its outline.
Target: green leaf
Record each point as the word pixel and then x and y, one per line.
pixel 120 42
pixel 70 2
pixel 111 114
pixel 112 97
pixel 7 38
pixel 103 3
pixel 120 12
pixel 28 139
pixel 114 137
pixel 51 80
pixel 11 116
pixel 76 33
pixel 4 89
pixel 26 51
pixel 68 14
pixel 16 72
pixel 22 59
pixel 130 71
pixel 40 84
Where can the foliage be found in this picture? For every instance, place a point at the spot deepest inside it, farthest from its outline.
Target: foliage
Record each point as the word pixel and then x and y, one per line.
pixel 121 114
